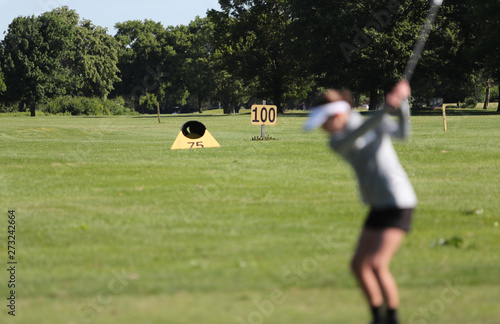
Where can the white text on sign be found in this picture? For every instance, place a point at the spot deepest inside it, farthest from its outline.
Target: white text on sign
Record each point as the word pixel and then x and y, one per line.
pixel 264 115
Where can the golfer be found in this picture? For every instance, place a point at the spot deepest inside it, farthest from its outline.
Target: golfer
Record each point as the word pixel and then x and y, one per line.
pixel 366 145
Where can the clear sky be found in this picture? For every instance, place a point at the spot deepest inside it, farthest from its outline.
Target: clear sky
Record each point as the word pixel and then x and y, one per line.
pixel 106 13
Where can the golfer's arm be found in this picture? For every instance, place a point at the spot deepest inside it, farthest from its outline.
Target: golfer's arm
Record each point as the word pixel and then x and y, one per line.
pixel 344 143
pixel 403 130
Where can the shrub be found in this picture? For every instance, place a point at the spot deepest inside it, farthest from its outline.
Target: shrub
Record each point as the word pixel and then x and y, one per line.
pixel 64 105
pixel 56 105
pixel 118 106
pixel 86 106
pixel 91 106
pixel 470 103
pixel 149 103
pixel 7 108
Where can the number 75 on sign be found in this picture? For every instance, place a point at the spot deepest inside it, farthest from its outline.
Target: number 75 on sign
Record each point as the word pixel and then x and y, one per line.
pixel 264 115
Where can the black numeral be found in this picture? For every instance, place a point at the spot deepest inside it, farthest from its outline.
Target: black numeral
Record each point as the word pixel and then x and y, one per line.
pixel 199 144
pixel 272 115
pixel 255 119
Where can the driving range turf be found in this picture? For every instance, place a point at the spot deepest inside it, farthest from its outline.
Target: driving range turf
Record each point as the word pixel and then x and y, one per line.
pixel 114 227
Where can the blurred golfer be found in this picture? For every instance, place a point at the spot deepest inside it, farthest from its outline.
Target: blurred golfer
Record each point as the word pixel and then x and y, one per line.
pixel 366 145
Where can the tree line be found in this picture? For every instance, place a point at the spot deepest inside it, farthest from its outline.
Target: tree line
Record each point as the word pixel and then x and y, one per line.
pixel 281 51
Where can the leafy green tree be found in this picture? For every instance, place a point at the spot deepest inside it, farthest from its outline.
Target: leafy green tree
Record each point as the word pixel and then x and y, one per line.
pixel 198 66
pixel 53 54
pixel 482 16
pixel 257 41
pixel 147 61
pixel 171 62
pixel 37 56
pixel 3 87
pixel 139 56
pixel 365 45
pixel 96 60
pixel 444 69
pixel 230 90
pixel 176 85
pixel 149 103
pixel 331 40
pixel 359 45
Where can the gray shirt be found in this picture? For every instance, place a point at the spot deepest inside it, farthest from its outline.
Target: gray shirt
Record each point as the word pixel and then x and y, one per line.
pixel 366 144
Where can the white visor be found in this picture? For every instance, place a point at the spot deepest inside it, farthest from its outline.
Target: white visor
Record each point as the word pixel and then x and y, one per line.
pixel 320 114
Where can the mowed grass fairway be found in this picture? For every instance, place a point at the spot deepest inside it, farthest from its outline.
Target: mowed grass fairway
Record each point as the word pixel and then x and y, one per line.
pixel 114 227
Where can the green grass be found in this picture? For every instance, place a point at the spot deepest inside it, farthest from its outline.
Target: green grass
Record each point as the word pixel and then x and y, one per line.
pixel 114 227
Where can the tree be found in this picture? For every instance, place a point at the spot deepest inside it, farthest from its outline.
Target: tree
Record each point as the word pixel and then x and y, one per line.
pixel 198 73
pixel 149 62
pixel 231 89
pixel 139 57
pixel 445 70
pixel 149 102
pixel 3 87
pixel 359 45
pixel 96 60
pixel 37 56
pixel 484 20
pixel 258 43
pixel 52 55
pixel 365 45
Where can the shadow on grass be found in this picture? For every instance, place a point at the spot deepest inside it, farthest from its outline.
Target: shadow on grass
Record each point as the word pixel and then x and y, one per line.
pixel 453 112
pixel 295 114
pixel 418 112
pixel 197 115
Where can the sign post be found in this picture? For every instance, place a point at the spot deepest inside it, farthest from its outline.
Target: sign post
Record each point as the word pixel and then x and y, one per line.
pixel 158 107
pixel 263 127
pixel 444 118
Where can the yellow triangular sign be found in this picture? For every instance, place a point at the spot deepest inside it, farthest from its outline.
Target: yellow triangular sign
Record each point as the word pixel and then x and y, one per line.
pixel 194 135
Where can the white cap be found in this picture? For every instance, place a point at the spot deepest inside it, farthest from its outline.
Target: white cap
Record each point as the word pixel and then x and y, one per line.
pixel 320 114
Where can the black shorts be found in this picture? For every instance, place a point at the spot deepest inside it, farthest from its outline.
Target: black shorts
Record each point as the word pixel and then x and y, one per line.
pixel 392 217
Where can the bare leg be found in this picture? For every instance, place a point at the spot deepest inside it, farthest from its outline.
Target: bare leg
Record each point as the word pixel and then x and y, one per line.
pixel 361 267
pixel 370 265
pixel 389 241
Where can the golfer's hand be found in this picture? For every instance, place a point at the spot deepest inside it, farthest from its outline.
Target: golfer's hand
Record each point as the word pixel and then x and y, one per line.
pixel 400 92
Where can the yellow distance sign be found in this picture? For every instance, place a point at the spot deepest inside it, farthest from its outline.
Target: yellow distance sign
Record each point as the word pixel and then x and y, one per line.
pixel 264 115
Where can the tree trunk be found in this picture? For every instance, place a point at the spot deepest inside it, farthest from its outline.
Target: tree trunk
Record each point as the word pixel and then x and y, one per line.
pixel 200 108
pixel 33 110
pixel 498 109
pixel 357 99
pixel 277 103
pixel 278 93
pixel 487 98
pixel 226 106
pixel 373 99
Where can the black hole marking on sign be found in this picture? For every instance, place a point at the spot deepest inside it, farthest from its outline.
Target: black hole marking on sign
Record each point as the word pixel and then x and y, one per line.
pixel 193 129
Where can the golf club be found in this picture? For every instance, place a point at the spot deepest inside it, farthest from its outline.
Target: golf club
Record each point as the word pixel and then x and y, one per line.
pixel 422 38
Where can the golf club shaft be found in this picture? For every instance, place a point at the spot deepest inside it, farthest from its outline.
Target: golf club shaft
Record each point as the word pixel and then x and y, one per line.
pixel 422 38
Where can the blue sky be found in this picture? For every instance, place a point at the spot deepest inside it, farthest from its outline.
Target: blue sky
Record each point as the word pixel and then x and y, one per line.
pixel 107 13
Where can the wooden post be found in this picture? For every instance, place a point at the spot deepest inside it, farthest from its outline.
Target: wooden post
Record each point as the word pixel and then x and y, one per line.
pixel 263 127
pixel 158 108
pixel 444 118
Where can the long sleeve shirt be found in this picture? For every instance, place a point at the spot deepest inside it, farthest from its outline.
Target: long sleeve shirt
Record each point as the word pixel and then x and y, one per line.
pixel 367 146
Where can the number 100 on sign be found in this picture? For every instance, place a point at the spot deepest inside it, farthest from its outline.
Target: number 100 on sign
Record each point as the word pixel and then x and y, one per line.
pixel 264 115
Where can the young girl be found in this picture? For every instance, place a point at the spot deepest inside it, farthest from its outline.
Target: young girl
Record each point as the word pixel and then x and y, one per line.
pixel 366 145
